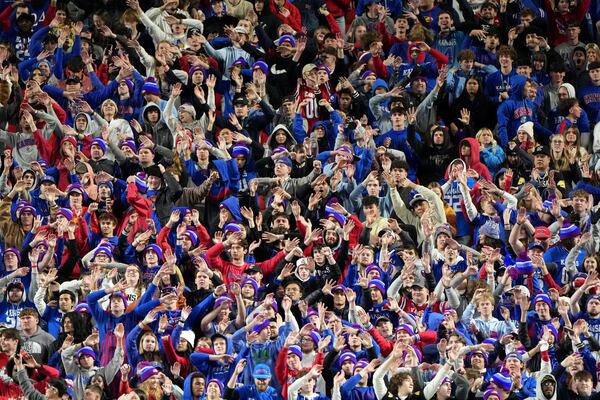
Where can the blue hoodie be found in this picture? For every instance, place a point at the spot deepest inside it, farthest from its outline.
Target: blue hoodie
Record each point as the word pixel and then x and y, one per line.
pixel 589 98
pixel 214 369
pixel 187 387
pixel 515 111
pixel 384 105
pixel 260 353
pixel 232 204
pixel 229 180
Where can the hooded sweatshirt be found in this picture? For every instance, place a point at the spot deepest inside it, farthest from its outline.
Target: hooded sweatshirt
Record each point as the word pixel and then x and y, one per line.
pixel 474 163
pixel 433 158
pixel 187 387
pixel 378 105
pixel 515 111
pixel 214 369
pixel 290 141
pixel 538 389
pixel 161 134
pixel 558 123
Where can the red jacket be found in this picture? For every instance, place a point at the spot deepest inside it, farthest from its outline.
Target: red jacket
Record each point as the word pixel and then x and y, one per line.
pixel 286 376
pixel 173 357
pixel 386 346
pixel 337 8
pixel 294 19
pixel 234 273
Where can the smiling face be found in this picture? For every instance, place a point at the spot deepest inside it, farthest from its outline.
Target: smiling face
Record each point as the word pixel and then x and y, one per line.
pixel 65 302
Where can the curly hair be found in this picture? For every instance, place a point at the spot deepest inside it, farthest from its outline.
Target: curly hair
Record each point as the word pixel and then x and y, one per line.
pixel 397 380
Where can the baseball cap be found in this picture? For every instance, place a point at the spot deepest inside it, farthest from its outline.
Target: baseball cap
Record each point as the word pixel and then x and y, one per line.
pixel 541 150
pixel 308 68
pixel 522 288
pixel 253 268
pixel 262 371
pixel 542 233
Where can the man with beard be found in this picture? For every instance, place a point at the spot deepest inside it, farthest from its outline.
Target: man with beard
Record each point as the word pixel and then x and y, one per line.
pixel 546 389
pixel 11 307
pixel 261 388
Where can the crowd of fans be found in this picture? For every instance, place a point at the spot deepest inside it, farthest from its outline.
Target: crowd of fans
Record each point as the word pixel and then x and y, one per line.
pixel 307 200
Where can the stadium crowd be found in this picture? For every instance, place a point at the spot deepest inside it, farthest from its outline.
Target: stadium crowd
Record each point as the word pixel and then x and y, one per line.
pixel 307 200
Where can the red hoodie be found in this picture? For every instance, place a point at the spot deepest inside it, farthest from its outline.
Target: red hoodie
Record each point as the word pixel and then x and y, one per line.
pixel 474 163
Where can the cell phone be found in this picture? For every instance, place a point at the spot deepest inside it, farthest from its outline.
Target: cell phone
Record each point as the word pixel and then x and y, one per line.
pixel 168 290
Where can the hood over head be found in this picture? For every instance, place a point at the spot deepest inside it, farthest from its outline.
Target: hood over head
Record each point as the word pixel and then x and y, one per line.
pixel 475 149
pixel 232 204
pixel 379 83
pixel 518 84
pixel 544 378
pixel 148 107
pixel 289 141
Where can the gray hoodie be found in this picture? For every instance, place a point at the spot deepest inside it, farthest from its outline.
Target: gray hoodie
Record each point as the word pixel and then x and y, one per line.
pixel 38 345
pixel 81 377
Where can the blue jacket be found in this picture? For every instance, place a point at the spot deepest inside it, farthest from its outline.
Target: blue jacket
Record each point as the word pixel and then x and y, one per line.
pixel 250 392
pixel 349 391
pixel 450 45
pixel 214 369
pixel 589 98
pixel 515 111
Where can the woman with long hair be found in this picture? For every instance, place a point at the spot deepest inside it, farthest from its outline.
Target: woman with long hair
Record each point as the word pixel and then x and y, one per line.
pixel 573 144
pixel 151 384
pixel 141 344
pixel 492 155
pixel 110 120
pixel 472 99
pixel 72 324
pixel 135 285
pixel 565 160
pixel 534 207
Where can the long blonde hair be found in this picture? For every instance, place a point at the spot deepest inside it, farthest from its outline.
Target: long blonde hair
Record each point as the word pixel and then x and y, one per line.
pixel 155 394
pixel 486 130
pixel 562 162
